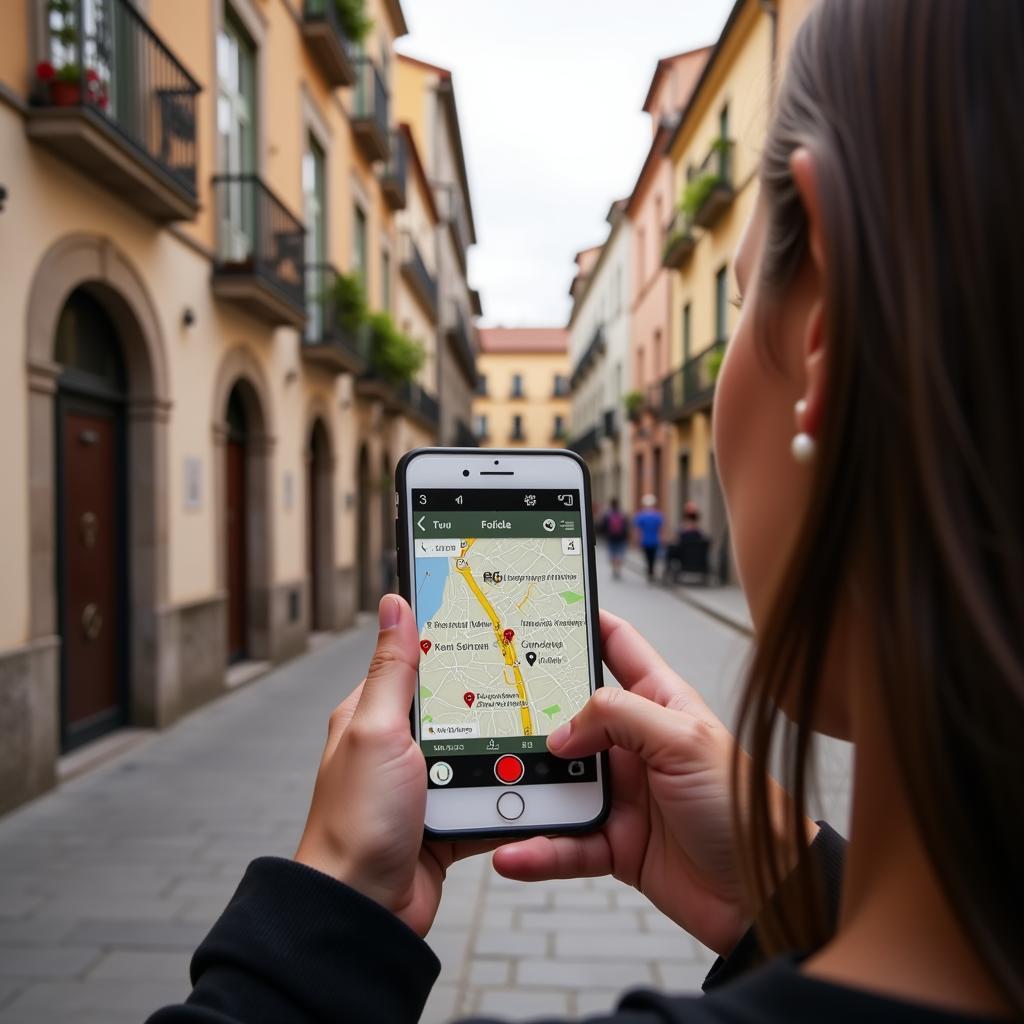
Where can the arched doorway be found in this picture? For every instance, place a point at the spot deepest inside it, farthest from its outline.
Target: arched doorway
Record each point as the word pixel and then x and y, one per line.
pixel 236 504
pixel 91 522
pixel 364 534
pixel 320 528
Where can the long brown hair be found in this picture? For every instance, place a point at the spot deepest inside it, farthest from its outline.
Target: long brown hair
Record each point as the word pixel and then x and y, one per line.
pixel 912 110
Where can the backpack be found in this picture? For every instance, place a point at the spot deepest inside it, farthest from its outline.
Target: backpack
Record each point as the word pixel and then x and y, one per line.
pixel 615 524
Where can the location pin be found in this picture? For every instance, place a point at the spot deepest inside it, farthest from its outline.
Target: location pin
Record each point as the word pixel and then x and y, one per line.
pixel 508 634
pixel 469 698
pixel 531 657
pixel 426 645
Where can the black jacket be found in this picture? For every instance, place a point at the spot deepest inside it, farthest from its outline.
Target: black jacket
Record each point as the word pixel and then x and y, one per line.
pixel 296 947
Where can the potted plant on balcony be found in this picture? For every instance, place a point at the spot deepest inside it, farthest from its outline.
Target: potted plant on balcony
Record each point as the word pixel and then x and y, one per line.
pixel 347 298
pixel 713 363
pixel 634 404
pixel 393 356
pixel 353 19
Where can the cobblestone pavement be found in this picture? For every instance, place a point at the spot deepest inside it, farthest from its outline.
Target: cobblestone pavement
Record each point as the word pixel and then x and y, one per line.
pixel 108 883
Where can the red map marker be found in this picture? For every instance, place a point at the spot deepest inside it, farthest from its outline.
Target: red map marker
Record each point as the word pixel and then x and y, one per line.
pixel 508 634
pixel 426 645
pixel 469 698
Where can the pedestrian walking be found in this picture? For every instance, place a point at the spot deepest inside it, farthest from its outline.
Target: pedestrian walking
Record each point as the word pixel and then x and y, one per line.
pixel 874 378
pixel 648 522
pixel 615 526
pixel 689 554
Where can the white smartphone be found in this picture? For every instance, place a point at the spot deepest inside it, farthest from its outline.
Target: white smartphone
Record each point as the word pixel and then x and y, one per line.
pixel 496 557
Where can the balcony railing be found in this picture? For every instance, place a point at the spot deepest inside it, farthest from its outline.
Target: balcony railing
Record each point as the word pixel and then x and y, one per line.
pixel 679 241
pixel 610 423
pixel 586 443
pixel 417 275
pixel 392 178
pixel 517 434
pixel 260 250
pixel 595 348
pixel 418 403
pixel 328 341
pixel 113 100
pixel 457 333
pixel 370 111
pixel 464 437
pixel 692 386
pixel 328 41
pixel 715 190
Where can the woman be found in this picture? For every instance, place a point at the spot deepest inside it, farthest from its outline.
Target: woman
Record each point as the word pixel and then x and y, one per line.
pixel 868 428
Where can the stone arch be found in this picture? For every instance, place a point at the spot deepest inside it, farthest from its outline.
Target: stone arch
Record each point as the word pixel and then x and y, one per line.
pixel 241 373
pixel 320 521
pixel 95 264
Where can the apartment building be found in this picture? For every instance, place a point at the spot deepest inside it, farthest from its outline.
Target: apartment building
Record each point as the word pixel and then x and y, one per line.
pixel 713 151
pixel 599 330
pixel 200 421
pixel 522 396
pixel 426 102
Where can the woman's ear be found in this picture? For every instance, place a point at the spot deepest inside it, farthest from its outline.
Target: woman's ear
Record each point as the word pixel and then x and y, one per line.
pixel 811 409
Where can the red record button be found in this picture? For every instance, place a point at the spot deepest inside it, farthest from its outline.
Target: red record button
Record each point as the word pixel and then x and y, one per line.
pixel 509 769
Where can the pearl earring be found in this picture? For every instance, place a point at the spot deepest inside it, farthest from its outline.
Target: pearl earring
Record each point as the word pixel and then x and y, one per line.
pixel 803 448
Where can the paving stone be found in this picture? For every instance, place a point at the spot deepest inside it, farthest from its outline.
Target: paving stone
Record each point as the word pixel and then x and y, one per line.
pixel 565 973
pixel 512 1003
pixel 33 932
pixel 449 945
pixel 596 1001
pixel 623 945
pixel 677 976
pixel 138 934
pixel 505 943
pixel 161 966
pixel 549 921
pixel 65 1000
pixel 442 1005
pixel 582 900
pixel 46 962
pixel 489 972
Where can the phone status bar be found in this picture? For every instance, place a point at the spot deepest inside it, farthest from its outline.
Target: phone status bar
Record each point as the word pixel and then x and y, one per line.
pixel 496 500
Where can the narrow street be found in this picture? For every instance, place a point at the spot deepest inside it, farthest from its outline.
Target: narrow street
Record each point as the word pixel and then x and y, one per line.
pixel 108 883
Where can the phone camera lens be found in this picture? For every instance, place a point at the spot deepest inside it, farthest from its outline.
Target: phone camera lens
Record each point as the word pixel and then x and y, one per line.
pixel 495 461
pixel 465 472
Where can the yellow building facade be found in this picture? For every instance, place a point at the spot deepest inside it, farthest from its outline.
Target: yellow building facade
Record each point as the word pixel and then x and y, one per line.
pixel 714 153
pixel 198 445
pixel 522 398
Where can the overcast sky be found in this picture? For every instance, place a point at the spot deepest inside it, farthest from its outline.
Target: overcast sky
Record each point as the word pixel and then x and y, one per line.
pixel 549 95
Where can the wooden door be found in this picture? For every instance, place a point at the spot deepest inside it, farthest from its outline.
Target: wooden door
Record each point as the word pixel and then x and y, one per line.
pixel 91 602
pixel 237 548
pixel 312 547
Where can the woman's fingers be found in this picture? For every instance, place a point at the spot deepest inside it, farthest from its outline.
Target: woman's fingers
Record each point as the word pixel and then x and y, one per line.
pixel 624 719
pixel 542 857
pixel 639 667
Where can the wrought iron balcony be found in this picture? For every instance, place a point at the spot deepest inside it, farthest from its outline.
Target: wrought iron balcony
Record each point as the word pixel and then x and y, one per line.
pixel 611 423
pixel 595 348
pixel 328 340
pixel 457 333
pixel 679 241
pixel 419 404
pixel 370 111
pixel 392 178
pixel 716 191
pixel 587 443
pixel 692 386
pixel 328 42
pixel 517 434
pixel 114 101
pixel 417 275
pixel 260 251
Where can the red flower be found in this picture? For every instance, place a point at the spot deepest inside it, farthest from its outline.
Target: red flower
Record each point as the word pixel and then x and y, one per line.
pixel 45 71
pixel 91 75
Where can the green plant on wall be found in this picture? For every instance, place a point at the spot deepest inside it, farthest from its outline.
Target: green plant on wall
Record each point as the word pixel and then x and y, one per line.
pixel 393 356
pixel 348 298
pixel 633 402
pixel 713 363
pixel 353 18
pixel 696 193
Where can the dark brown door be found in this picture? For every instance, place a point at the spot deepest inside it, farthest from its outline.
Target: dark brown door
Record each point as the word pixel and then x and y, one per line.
pixel 90 598
pixel 236 547
pixel 312 552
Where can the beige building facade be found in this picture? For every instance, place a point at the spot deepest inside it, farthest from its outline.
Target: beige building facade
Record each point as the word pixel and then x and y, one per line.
pixel 522 397
pixel 198 446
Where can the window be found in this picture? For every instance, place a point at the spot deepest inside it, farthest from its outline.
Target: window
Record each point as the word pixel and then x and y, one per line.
pixel 480 425
pixel 687 332
pixel 481 384
pixel 561 386
pixel 656 354
pixel 721 304
pixel 559 428
pixel 359 244
pixel 517 427
pixel 517 385
pixel 236 135
pixel 314 208
pixel 723 133
pixel 385 280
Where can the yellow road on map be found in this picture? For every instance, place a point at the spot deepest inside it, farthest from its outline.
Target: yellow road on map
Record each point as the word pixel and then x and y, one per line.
pixel 508 648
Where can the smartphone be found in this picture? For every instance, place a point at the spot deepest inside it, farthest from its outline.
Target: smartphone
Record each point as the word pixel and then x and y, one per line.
pixel 496 557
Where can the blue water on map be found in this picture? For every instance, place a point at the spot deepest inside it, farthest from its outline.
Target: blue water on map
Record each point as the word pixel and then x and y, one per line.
pixel 431 576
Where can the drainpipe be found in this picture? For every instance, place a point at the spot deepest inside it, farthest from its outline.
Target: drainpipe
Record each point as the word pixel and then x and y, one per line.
pixel 771 8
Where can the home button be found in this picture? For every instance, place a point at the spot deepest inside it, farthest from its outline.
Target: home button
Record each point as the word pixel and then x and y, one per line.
pixel 511 806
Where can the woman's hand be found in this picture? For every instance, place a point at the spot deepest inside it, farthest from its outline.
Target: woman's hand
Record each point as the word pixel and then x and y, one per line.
pixel 670 831
pixel 365 824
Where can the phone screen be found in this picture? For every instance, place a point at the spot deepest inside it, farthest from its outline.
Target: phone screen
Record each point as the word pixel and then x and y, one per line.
pixel 501 601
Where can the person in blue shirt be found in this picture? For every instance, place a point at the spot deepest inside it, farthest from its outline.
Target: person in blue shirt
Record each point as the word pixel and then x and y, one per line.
pixel 648 523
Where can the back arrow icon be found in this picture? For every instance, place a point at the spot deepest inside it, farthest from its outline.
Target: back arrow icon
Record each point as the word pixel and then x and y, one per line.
pixel 419 522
